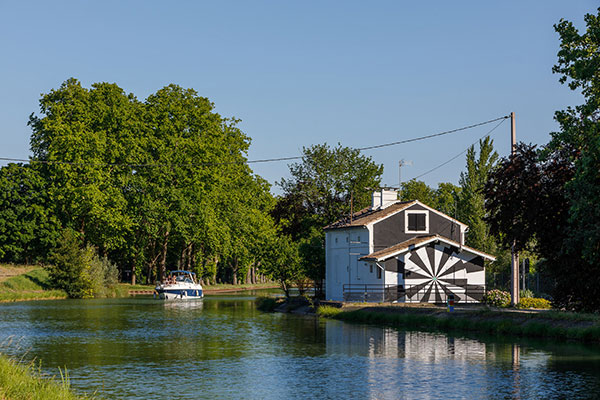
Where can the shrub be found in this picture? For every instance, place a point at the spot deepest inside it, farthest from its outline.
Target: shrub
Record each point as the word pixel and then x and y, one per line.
pixel 328 311
pixel 497 298
pixel 525 294
pixel 534 303
pixel 67 265
pixel 80 272
pixel 100 274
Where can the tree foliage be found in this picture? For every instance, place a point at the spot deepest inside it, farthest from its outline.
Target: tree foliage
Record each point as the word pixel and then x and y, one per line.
pixel 444 198
pixel 327 185
pixel 471 202
pixel 552 195
pixel 155 184
pixel 28 227
pixel 525 200
pixel 282 261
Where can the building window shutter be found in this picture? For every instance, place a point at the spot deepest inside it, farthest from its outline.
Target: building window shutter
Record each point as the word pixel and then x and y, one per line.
pixel 420 222
pixel 412 222
pixel 417 222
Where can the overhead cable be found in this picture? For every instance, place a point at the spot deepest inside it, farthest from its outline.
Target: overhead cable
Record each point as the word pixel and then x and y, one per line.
pixel 461 153
pixel 133 165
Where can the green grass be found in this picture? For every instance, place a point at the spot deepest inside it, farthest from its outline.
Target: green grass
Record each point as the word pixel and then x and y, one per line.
pixel 491 322
pixel 29 286
pixel 26 382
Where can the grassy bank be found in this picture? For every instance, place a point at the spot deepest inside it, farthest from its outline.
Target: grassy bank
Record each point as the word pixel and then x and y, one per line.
pixel 26 382
pixel 26 283
pixel 554 325
pixel 29 282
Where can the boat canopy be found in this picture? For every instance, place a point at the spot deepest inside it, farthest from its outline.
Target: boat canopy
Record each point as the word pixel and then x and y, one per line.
pixel 182 272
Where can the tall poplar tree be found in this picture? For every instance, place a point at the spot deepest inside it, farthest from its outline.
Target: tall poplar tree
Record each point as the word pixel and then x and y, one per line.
pixel 471 201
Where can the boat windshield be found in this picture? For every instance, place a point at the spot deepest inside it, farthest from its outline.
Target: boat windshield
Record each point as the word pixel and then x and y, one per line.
pixel 184 278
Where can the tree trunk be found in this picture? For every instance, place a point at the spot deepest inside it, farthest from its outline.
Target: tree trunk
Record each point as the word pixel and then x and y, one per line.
pixel 163 260
pixel 190 257
pixel 234 266
pixel 253 278
pixel 133 272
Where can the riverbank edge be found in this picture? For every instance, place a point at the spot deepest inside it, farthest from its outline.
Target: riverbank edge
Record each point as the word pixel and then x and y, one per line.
pixel 122 291
pixel 531 324
pixel 553 325
pixel 13 288
pixel 27 382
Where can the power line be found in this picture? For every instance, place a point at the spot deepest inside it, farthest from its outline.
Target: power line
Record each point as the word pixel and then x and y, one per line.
pixel 435 134
pixel 461 153
pixel 133 165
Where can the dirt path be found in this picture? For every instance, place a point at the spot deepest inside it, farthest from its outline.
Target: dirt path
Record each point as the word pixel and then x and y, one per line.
pixel 10 271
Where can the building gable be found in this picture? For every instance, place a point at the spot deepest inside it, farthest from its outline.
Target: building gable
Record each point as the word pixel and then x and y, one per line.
pixel 396 228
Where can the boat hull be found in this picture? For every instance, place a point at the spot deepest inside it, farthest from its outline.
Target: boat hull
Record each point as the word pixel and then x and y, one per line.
pixel 179 293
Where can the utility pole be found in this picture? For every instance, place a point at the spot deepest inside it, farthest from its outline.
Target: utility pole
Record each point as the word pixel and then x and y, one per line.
pixel 514 266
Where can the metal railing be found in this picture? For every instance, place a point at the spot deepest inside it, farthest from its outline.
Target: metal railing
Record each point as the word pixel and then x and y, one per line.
pixel 372 292
pixel 313 289
pixel 462 295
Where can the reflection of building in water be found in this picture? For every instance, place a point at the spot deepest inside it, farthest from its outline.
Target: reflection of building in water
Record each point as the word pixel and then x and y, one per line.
pixel 363 340
pixel 371 341
pixel 431 347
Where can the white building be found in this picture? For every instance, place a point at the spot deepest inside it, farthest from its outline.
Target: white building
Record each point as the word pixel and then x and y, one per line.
pixel 401 251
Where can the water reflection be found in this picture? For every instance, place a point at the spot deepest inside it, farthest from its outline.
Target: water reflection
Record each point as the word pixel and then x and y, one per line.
pixel 424 365
pixel 222 347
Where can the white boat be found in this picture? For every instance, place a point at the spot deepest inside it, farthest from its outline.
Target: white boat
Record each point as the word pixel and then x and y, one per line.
pixel 179 285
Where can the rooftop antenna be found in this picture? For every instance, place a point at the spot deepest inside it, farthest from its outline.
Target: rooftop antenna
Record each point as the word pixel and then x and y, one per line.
pixel 401 163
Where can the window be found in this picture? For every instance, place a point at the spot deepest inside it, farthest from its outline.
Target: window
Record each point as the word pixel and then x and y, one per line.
pixel 358 239
pixel 378 273
pixel 371 268
pixel 416 222
pixel 336 240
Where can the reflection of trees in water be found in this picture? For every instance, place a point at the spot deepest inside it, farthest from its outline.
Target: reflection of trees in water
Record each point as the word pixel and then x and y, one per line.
pixel 114 331
pixel 102 338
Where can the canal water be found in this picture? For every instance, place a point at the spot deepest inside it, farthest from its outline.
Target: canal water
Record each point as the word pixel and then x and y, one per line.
pixel 223 348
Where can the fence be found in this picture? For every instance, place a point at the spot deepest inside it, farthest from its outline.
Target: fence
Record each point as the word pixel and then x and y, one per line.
pixel 539 283
pixel 462 295
pixel 373 292
pixel 312 289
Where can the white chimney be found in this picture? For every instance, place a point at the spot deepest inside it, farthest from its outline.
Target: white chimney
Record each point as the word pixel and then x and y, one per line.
pixel 384 198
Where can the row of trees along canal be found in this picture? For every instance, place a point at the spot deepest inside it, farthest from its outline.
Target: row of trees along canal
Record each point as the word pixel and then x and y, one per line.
pixel 165 183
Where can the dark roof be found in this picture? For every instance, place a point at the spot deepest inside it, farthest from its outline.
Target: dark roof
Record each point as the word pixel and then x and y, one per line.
pixel 382 255
pixel 368 215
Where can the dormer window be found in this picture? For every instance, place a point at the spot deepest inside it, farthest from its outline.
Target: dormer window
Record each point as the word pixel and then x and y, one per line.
pixel 416 222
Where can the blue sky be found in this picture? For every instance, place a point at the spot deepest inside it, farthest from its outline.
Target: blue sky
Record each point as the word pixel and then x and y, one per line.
pixel 300 73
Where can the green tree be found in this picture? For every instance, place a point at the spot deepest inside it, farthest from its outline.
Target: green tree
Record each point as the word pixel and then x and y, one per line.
pixel 471 202
pixel 326 181
pixel 153 184
pixel 281 261
pixel 67 266
pixel 418 190
pixel 446 198
pixel 79 136
pixel 579 66
pixel 327 185
pixel 551 196
pixel 28 227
